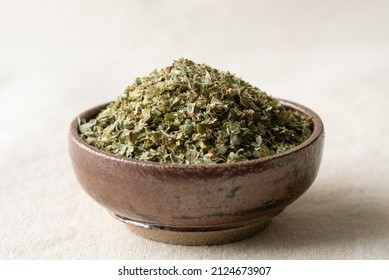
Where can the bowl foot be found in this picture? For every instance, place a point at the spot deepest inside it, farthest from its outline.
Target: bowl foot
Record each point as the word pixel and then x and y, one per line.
pixel 194 236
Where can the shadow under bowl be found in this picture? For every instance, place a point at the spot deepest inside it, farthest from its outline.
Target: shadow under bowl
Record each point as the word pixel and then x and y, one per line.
pixel 197 204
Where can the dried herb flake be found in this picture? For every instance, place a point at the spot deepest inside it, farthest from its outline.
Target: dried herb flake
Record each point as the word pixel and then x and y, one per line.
pixel 193 114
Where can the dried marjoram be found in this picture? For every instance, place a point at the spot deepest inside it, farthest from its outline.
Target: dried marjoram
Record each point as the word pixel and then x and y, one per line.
pixel 193 114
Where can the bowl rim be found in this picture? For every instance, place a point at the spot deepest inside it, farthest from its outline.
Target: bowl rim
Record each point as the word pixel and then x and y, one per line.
pixel 318 131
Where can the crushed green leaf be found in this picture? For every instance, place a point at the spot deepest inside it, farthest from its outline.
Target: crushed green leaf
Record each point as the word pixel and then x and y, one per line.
pixel 191 113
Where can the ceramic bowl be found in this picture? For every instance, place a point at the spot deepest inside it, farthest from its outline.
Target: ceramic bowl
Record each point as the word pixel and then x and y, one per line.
pixel 197 204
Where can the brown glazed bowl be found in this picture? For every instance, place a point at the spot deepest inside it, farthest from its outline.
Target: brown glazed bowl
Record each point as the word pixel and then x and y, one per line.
pixel 197 204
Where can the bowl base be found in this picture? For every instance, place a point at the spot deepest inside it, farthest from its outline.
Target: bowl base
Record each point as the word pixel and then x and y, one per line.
pixel 194 236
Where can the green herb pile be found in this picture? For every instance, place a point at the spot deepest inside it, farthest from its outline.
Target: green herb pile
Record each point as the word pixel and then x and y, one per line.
pixel 194 114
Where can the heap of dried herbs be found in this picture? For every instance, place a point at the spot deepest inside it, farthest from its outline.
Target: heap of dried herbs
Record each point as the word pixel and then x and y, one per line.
pixel 194 114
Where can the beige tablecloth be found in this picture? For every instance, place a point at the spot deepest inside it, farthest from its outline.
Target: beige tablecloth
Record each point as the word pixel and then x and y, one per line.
pixel 58 58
